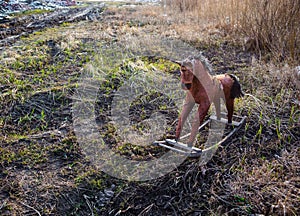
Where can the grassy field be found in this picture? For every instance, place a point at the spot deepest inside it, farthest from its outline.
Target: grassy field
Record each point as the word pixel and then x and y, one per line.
pixel 44 170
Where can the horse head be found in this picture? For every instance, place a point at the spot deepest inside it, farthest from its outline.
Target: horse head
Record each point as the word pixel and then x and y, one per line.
pixel 186 74
pixel 191 69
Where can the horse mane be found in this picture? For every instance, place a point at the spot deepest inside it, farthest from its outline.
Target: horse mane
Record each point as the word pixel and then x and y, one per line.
pixel 205 62
pixel 189 62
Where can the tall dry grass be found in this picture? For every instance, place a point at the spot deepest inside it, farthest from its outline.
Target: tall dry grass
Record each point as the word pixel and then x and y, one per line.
pixel 274 26
pixel 269 26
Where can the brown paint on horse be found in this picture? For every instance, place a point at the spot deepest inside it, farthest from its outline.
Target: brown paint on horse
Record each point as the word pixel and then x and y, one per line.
pixel 204 89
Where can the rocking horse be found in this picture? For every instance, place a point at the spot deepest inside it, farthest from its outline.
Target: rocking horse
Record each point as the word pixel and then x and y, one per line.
pixel 204 89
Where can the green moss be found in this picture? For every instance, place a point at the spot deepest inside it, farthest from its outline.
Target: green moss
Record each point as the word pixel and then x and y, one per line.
pixel 65 24
pixel 160 64
pixel 7 156
pixel 32 155
pixel 31 12
pixel 25 154
pixel 97 183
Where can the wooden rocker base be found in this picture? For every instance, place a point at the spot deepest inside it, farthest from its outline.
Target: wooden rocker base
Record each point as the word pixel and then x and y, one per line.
pixel 193 152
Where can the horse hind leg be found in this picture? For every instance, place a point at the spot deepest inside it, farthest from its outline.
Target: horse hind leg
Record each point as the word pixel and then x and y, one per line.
pixel 230 108
pixel 217 103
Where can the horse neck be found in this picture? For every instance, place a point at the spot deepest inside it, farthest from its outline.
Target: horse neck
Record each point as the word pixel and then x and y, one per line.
pixel 203 88
pixel 203 78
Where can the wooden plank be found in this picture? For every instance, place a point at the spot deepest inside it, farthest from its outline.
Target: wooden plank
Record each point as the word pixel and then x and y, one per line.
pixel 224 121
pixel 182 145
pixel 174 149
pixel 196 152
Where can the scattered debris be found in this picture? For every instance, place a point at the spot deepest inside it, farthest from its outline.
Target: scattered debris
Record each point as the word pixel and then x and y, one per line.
pixel 9 7
pixel 20 26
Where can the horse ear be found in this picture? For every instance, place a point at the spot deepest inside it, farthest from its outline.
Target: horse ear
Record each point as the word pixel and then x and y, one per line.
pixel 176 62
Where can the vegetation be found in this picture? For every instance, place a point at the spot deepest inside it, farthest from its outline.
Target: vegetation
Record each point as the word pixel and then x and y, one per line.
pixel 31 12
pixel 44 169
pixel 270 28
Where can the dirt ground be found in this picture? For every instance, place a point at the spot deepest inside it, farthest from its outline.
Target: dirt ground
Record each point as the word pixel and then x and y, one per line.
pixel 44 170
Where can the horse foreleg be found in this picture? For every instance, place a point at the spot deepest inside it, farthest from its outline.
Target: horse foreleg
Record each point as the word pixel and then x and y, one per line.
pixel 202 112
pixel 187 108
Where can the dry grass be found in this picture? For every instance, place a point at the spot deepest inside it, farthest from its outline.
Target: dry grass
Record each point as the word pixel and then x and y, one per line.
pixel 267 26
pixel 264 176
pixel 210 10
pixel 45 173
pixel 273 183
pixel 267 150
pixel 273 26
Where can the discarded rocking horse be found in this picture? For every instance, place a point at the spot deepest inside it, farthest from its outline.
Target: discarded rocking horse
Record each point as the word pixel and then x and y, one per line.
pixel 204 89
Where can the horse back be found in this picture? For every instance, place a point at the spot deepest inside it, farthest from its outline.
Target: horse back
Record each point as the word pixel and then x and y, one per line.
pixel 230 85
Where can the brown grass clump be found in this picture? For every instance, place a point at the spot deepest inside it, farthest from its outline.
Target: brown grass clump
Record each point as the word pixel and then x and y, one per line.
pixel 273 26
pixel 267 26
pixel 261 181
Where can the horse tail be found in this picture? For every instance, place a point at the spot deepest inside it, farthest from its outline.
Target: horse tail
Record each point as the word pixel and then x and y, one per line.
pixel 236 89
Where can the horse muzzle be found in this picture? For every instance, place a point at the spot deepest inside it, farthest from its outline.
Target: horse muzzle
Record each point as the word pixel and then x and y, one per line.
pixel 186 86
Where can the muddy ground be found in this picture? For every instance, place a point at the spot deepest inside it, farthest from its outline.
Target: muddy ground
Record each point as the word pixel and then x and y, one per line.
pixel 12 29
pixel 44 169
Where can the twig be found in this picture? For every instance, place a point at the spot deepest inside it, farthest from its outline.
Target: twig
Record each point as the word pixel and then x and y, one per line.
pixel 24 204
pixel 258 102
pixel 146 210
pixel 3 204
pixel 88 203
